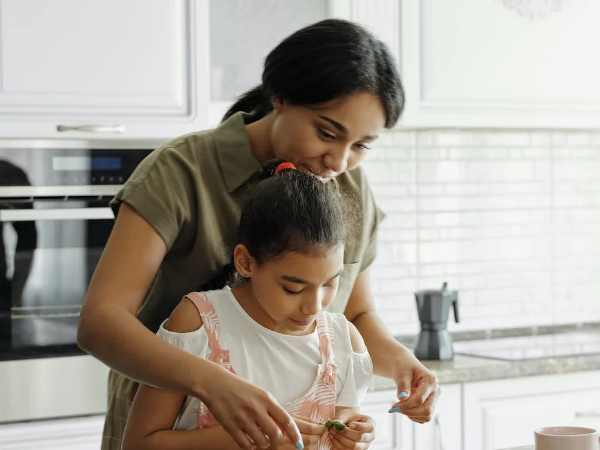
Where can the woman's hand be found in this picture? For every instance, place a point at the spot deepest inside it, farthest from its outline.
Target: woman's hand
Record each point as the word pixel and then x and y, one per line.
pixel 358 434
pixel 250 414
pixel 418 391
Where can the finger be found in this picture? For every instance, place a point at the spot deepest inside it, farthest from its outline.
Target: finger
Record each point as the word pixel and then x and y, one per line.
pixel 286 423
pixel 308 426
pixel 256 435
pixel 403 387
pixel 360 442
pixel 239 436
pixel 427 386
pixel 423 413
pixel 361 427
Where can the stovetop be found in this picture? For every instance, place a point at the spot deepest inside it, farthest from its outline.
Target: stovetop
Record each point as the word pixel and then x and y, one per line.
pixel 532 347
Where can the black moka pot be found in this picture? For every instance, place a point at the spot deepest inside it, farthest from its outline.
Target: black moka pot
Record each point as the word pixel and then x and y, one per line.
pixel 433 307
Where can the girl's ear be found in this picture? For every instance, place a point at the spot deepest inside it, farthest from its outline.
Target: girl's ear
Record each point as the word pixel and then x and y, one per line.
pixel 243 261
pixel 277 103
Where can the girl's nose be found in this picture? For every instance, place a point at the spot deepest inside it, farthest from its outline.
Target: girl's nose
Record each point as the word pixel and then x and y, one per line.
pixel 313 306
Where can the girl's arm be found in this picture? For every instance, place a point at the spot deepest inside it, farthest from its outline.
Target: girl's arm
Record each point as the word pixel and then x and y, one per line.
pixel 154 411
pixel 109 330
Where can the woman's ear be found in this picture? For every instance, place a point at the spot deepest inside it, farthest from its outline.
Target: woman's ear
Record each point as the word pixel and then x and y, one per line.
pixel 243 261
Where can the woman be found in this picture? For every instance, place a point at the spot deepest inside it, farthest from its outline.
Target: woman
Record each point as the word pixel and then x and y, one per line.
pixel 327 91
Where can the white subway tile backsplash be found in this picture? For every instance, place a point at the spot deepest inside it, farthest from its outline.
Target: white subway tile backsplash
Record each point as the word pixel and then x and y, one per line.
pixel 510 219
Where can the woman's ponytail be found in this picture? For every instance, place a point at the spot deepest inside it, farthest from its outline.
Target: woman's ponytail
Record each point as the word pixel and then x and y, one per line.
pixel 255 101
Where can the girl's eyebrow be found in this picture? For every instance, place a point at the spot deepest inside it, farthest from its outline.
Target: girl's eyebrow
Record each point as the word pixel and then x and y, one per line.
pixel 342 129
pixel 297 280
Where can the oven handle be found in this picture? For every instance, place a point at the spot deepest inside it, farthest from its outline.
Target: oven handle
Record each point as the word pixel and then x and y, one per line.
pixel 27 215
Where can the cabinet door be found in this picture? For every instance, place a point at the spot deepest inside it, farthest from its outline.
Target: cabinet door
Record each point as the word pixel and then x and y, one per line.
pixel 444 431
pixel 502 414
pixel 133 68
pixel 242 34
pixel 66 434
pixel 393 432
pixel 500 63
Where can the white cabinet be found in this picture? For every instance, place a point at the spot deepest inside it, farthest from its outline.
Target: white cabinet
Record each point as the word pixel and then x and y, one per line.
pixel 444 431
pixel 494 63
pixel 397 432
pixel 113 68
pixel 504 413
pixel 391 433
pixel 83 433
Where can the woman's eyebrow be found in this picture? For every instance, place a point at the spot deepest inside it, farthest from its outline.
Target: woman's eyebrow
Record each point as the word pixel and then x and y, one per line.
pixel 342 129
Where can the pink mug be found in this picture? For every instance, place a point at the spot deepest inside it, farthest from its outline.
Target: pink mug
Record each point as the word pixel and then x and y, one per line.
pixel 566 438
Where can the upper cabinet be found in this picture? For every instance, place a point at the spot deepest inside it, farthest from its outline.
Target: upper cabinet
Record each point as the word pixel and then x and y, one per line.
pixel 103 68
pixel 160 68
pixel 500 63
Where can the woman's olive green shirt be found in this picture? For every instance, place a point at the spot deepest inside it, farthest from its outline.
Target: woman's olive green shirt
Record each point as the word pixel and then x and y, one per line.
pixel 190 191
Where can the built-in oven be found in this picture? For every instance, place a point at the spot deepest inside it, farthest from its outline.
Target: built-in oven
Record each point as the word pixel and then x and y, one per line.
pixel 54 223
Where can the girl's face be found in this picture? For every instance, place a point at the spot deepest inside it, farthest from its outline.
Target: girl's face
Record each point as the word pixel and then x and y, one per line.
pixel 329 139
pixel 285 294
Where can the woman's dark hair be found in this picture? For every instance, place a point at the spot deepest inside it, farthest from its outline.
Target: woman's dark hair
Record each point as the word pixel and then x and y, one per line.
pixel 327 60
pixel 291 211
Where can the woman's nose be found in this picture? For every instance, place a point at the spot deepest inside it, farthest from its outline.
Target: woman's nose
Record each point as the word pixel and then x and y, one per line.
pixel 337 159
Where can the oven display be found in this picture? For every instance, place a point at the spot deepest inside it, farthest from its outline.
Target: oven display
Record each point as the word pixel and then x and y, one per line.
pixel 85 163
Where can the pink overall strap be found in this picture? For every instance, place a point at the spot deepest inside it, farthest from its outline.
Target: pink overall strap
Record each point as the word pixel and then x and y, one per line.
pixel 326 332
pixel 209 317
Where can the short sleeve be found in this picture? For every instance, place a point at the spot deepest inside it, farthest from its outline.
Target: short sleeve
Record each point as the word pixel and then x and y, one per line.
pixel 161 190
pixel 194 342
pixel 355 369
pixel 371 250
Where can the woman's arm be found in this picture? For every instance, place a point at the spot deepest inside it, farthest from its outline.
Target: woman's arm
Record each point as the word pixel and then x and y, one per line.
pixel 390 358
pixel 110 331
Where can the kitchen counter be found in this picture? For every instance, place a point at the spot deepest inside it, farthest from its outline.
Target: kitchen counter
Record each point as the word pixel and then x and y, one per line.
pixel 465 369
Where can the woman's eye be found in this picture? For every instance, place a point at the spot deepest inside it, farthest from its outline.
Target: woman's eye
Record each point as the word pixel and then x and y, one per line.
pixel 290 292
pixel 362 147
pixel 326 135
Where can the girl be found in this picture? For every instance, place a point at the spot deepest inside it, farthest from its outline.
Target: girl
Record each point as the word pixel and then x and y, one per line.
pixel 271 327
pixel 328 90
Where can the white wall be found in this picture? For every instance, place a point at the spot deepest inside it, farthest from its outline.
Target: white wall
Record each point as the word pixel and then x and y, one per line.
pixel 510 219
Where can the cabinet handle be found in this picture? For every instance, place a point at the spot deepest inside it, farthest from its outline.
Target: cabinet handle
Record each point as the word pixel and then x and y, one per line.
pixel 581 414
pixel 438 431
pixel 92 128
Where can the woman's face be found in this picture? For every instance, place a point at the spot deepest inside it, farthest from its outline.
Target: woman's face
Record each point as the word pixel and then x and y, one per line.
pixel 329 139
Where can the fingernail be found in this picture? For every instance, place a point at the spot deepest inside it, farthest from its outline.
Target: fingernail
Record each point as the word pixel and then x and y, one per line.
pixel 299 445
pixel 394 410
pixel 402 395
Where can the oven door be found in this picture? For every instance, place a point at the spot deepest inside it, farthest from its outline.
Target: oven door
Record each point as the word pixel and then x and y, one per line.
pixel 48 252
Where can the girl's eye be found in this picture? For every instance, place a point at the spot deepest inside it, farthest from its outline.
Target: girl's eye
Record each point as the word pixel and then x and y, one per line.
pixel 326 135
pixel 290 292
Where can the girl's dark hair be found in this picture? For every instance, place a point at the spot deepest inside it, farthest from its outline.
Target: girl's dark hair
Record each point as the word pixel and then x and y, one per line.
pixel 324 61
pixel 290 211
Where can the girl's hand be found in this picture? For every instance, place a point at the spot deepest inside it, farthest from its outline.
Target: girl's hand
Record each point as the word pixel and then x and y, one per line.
pixel 249 414
pixel 311 433
pixel 358 434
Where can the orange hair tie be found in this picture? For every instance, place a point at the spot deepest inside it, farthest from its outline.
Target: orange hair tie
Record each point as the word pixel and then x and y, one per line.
pixel 284 166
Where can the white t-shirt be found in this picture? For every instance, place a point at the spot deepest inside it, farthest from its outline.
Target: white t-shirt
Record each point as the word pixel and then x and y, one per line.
pixel 284 365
